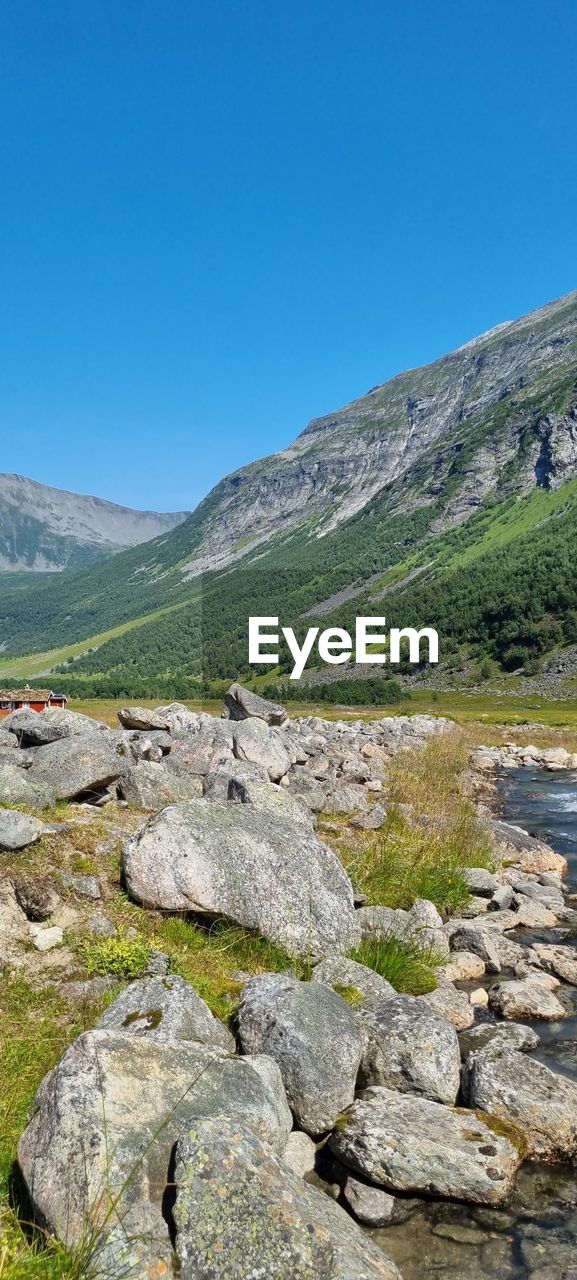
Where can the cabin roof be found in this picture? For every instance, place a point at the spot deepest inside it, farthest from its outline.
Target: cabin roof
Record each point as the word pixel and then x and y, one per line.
pixel 28 695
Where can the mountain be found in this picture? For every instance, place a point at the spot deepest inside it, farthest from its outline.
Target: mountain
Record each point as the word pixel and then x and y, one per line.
pixel 47 530
pixel 449 492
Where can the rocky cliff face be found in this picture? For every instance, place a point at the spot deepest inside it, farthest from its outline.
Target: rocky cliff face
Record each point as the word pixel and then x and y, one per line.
pixel 46 529
pixel 502 408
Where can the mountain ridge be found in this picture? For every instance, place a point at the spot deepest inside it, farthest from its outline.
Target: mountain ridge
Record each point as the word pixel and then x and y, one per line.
pixel 45 529
pixel 430 479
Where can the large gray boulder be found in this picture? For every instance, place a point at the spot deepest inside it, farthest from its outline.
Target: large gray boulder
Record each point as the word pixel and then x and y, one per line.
pixel 269 798
pixel 410 1047
pixel 503 1035
pixel 166 1008
pixel 17 786
pixel 268 1223
pixel 104 1125
pixel 526 998
pixel 142 718
pixel 314 1037
pixel 148 785
pixel 38 728
pixel 254 740
pixel 241 704
pixel 76 766
pixel 356 980
pixel 406 1143
pixel 562 961
pixel 216 786
pixel 519 1090
pixel 18 830
pixel 237 861
pixel 203 749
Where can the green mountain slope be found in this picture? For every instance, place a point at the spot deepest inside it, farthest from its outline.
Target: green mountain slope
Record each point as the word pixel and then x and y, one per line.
pixel 446 497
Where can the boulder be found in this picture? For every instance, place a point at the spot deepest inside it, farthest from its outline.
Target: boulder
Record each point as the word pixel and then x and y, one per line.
pixel 480 881
pixel 410 1047
pixel 202 750
pixel 76 766
pixel 241 704
pixel 148 785
pixel 463 966
pixel 471 938
pixel 532 914
pixel 381 922
pixel 508 1035
pixel 300 1153
pixel 236 861
pixel 166 1008
pixel 526 998
pixel 528 854
pixel 18 830
pixel 87 886
pixel 38 728
pixel 358 980
pixel 452 1004
pixel 18 787
pixel 519 1090
pixel 240 1214
pixel 562 961
pixel 406 1143
pixel 104 1125
pixel 253 740
pixel 142 718
pixel 216 786
pixel 375 1207
pixel 268 798
pixel 313 1036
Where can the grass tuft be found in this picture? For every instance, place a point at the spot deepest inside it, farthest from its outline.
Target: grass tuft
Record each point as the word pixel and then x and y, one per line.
pixel 407 964
pixel 120 956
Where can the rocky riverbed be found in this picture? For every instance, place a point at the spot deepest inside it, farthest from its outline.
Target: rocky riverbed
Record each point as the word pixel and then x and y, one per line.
pixel 334 1128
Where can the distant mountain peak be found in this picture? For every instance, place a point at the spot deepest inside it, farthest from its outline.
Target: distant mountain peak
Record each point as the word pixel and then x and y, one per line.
pixel 44 529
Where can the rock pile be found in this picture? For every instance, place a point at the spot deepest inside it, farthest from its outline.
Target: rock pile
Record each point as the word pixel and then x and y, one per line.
pixel 190 1148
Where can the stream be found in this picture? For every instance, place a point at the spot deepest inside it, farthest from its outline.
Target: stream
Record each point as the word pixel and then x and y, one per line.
pixel 533 1237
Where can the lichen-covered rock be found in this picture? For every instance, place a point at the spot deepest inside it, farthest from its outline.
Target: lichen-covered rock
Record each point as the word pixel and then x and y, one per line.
pixel 520 1091
pixel 562 961
pixel 246 864
pixel 300 1153
pixel 18 830
pixel 76 765
pixel 471 938
pixel 353 979
pixel 410 1047
pixel 463 966
pixel 526 998
pixel 38 728
pixel 314 1037
pixel 148 785
pixel 506 1035
pixel 452 1004
pixel 241 704
pixel 105 1122
pixel 166 1008
pixel 269 798
pixel 254 740
pixel 142 718
pixel 406 1143
pixel 18 787
pixel 240 1214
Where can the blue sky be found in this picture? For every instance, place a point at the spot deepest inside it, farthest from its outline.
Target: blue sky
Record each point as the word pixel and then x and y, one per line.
pixel 220 220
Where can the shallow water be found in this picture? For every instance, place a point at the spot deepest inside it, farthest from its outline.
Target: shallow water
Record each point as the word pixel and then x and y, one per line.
pixel 535 1236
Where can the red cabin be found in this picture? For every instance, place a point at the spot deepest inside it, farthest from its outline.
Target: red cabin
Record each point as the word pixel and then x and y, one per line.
pixel 36 699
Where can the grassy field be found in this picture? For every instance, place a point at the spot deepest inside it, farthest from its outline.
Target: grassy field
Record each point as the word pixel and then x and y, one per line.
pixel 464 708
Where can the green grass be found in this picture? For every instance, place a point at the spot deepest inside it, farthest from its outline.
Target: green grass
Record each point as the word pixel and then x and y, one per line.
pixel 406 963
pixel 120 957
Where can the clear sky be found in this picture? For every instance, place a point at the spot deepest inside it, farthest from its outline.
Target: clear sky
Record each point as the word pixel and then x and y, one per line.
pixel 220 219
